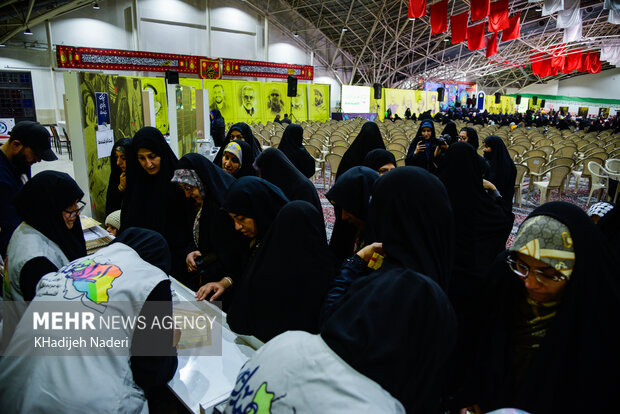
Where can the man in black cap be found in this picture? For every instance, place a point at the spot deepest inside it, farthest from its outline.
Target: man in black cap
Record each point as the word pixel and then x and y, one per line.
pixel 29 143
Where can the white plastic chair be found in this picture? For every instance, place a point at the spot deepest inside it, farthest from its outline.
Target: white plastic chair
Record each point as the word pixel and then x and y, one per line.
pixel 612 167
pixel 600 179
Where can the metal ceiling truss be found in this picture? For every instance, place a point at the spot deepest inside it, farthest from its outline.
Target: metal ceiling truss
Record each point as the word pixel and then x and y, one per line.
pixel 369 41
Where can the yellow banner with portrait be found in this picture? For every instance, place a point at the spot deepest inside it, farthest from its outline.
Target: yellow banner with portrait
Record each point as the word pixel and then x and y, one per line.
pixel 377 105
pixel 222 97
pixel 299 111
pixel 432 102
pixel 420 102
pixel 158 87
pixel 247 102
pixel 318 102
pixel 274 100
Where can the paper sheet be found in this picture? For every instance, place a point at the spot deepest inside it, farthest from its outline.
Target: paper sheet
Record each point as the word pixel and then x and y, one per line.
pixel 105 142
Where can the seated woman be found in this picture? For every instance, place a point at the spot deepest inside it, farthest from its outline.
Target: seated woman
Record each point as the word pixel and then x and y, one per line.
pixel 135 266
pixel 275 167
pixel 237 159
pixel 151 200
pixel 361 363
pixel 380 160
pixel 118 175
pixel 215 247
pixel 548 346
pixel 350 195
pixel 503 172
pixel 424 151
pixel 50 235
pixel 293 148
pixel 239 131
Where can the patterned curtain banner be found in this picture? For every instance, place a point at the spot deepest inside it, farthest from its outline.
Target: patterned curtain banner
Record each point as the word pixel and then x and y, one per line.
pixel 112 59
pixel 237 67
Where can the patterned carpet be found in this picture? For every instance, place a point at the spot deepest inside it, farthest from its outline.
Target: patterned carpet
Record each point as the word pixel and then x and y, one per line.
pixel 528 205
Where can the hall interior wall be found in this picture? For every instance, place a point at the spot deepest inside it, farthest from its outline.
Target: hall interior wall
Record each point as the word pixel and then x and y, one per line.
pixel 227 29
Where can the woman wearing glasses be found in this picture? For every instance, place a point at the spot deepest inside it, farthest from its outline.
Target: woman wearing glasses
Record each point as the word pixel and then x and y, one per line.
pixel 551 344
pixel 50 235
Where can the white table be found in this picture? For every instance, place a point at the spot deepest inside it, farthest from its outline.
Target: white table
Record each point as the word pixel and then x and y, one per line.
pixel 202 382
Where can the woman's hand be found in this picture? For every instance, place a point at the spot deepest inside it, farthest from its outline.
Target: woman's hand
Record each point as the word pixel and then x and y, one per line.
pixel 123 183
pixel 420 147
pixel 190 260
pixel 218 288
pixel 487 185
pixel 439 148
pixel 367 252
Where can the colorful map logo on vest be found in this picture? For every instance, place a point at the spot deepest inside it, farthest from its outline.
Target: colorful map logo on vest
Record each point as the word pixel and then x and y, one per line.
pixel 91 279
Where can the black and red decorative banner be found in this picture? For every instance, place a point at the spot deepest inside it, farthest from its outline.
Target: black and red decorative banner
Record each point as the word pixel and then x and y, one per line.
pixel 236 67
pixel 111 59
pixel 209 68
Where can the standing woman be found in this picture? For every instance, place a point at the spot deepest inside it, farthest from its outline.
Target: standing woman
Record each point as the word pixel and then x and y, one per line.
pixel 275 167
pixel 50 235
pixel 253 204
pixel 237 159
pixel 218 127
pixel 503 172
pixel 424 150
pixel 292 146
pixel 350 196
pixel 284 285
pixel 367 140
pixel 215 246
pixel 152 201
pixel 241 131
pixel 118 175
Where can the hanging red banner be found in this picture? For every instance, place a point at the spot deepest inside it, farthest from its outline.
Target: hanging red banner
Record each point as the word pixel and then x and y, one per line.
pixel 238 67
pixel 209 68
pixel 112 59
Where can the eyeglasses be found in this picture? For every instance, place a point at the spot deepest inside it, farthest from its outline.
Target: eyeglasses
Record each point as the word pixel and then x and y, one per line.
pixel 522 270
pixel 73 213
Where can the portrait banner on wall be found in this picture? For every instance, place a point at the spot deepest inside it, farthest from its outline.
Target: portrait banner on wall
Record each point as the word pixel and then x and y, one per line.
pixel 583 111
pixel 433 103
pixel 209 68
pixel 247 102
pixel 398 100
pixel 158 87
pixel 318 102
pixel 186 120
pixel 299 106
pixel 126 118
pixel 274 100
pixel 420 102
pixel 222 97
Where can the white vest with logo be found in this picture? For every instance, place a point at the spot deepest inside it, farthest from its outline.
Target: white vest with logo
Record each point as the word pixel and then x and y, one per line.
pixel 74 384
pixel 26 244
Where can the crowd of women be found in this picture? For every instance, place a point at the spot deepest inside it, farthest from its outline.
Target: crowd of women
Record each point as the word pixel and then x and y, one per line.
pixel 414 305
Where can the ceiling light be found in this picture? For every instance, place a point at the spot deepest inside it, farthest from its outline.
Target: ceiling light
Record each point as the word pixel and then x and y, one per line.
pixel 344 29
pixel 446 39
pixel 538 10
pixel 296 34
pixel 27 32
pixel 2 45
pixel 96 6
pixel 412 18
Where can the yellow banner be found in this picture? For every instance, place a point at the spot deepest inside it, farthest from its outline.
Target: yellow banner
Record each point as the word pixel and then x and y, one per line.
pixel 506 105
pixel 433 103
pixel 274 100
pixel 420 102
pixel 126 118
pixel 398 100
pixel 222 97
pixel 186 120
pixel 300 104
pixel 318 102
pixel 158 86
pixel 247 102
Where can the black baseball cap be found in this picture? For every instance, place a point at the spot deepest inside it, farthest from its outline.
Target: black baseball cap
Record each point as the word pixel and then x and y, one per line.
pixel 36 137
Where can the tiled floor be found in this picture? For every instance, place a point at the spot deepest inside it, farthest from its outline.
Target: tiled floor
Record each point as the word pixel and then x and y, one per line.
pixel 63 164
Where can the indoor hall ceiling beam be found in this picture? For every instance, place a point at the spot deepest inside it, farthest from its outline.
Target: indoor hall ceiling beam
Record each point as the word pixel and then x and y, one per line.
pixel 370 34
pixel 30 6
pixel 7 3
pixel 67 7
